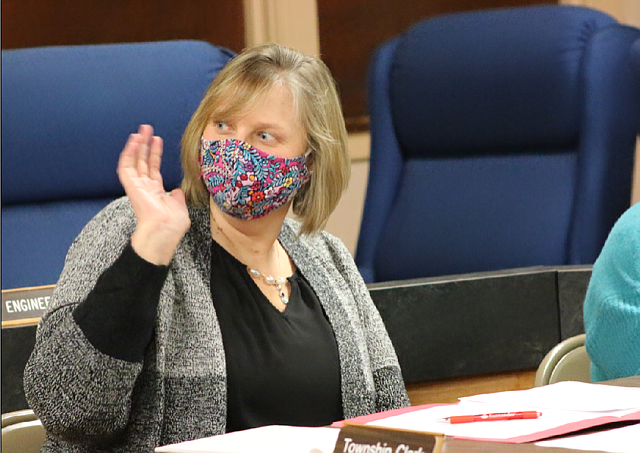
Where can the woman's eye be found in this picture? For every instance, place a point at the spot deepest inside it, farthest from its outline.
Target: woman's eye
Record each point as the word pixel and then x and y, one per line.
pixel 266 136
pixel 222 127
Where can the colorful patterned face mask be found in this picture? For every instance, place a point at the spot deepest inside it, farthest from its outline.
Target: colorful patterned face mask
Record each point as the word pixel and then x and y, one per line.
pixel 246 182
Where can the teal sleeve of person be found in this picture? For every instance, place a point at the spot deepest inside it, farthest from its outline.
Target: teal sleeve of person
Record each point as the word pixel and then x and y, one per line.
pixel 612 303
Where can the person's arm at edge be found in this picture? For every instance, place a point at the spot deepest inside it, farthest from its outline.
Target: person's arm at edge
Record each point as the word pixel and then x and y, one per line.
pixel 612 303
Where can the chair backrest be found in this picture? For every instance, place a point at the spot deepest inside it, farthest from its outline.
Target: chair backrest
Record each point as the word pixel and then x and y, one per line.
pixel 66 115
pixel 22 432
pixel 635 57
pixel 500 138
pixel 12 418
pixel 567 361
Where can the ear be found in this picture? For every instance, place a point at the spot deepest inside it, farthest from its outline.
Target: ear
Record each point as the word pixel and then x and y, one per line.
pixel 310 160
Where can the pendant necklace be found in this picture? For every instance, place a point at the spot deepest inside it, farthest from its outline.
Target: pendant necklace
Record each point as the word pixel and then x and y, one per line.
pixel 273 281
pixel 276 282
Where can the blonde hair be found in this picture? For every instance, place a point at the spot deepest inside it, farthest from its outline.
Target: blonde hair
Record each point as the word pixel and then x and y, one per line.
pixel 247 79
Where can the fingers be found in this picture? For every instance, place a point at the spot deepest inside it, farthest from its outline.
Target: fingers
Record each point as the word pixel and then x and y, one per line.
pixel 155 159
pixel 127 161
pixel 141 156
pixel 145 134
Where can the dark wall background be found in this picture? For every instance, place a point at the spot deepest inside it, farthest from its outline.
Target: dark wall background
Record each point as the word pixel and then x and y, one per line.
pixel 33 23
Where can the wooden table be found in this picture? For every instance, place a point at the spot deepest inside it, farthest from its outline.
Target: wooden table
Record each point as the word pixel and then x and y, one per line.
pixel 451 445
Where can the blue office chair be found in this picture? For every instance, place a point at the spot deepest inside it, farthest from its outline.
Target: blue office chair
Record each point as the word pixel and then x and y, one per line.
pixel 499 138
pixel 635 57
pixel 66 115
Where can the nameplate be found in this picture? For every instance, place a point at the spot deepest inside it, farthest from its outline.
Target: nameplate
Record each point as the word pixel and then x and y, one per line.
pixel 25 306
pixel 357 438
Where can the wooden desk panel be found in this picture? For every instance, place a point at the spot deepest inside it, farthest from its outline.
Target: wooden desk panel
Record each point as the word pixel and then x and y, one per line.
pixel 34 23
pixel 633 381
pixel 449 390
pixel 470 446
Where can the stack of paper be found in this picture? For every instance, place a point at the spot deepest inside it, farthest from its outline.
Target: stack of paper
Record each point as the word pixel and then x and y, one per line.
pixel 565 407
pixel 619 440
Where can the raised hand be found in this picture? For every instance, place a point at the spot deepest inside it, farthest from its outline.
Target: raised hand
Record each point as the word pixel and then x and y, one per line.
pixel 162 218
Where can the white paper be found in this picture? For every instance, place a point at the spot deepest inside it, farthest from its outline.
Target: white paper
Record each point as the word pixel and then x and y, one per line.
pixel 558 403
pixel 266 439
pixel 427 420
pixel 567 395
pixel 619 440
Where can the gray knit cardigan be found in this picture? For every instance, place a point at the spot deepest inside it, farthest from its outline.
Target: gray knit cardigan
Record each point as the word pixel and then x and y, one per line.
pixel 89 401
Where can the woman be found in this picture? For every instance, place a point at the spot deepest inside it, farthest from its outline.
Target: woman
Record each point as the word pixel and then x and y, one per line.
pixel 612 303
pixel 205 310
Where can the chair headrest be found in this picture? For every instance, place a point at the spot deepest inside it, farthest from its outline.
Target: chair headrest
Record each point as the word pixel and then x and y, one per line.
pixel 492 79
pixel 67 112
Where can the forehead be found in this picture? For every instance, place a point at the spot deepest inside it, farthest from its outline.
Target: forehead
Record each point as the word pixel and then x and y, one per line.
pixel 239 99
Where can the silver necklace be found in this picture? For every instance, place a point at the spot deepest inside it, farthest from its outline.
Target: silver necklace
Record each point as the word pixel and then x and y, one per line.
pixel 255 273
pixel 273 281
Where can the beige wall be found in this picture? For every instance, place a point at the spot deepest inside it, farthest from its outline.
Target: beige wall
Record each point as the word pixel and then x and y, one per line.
pixel 626 11
pixel 295 23
pixel 292 23
pixel 345 220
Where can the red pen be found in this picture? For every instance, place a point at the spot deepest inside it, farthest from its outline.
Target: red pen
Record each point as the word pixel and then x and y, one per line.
pixel 493 417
